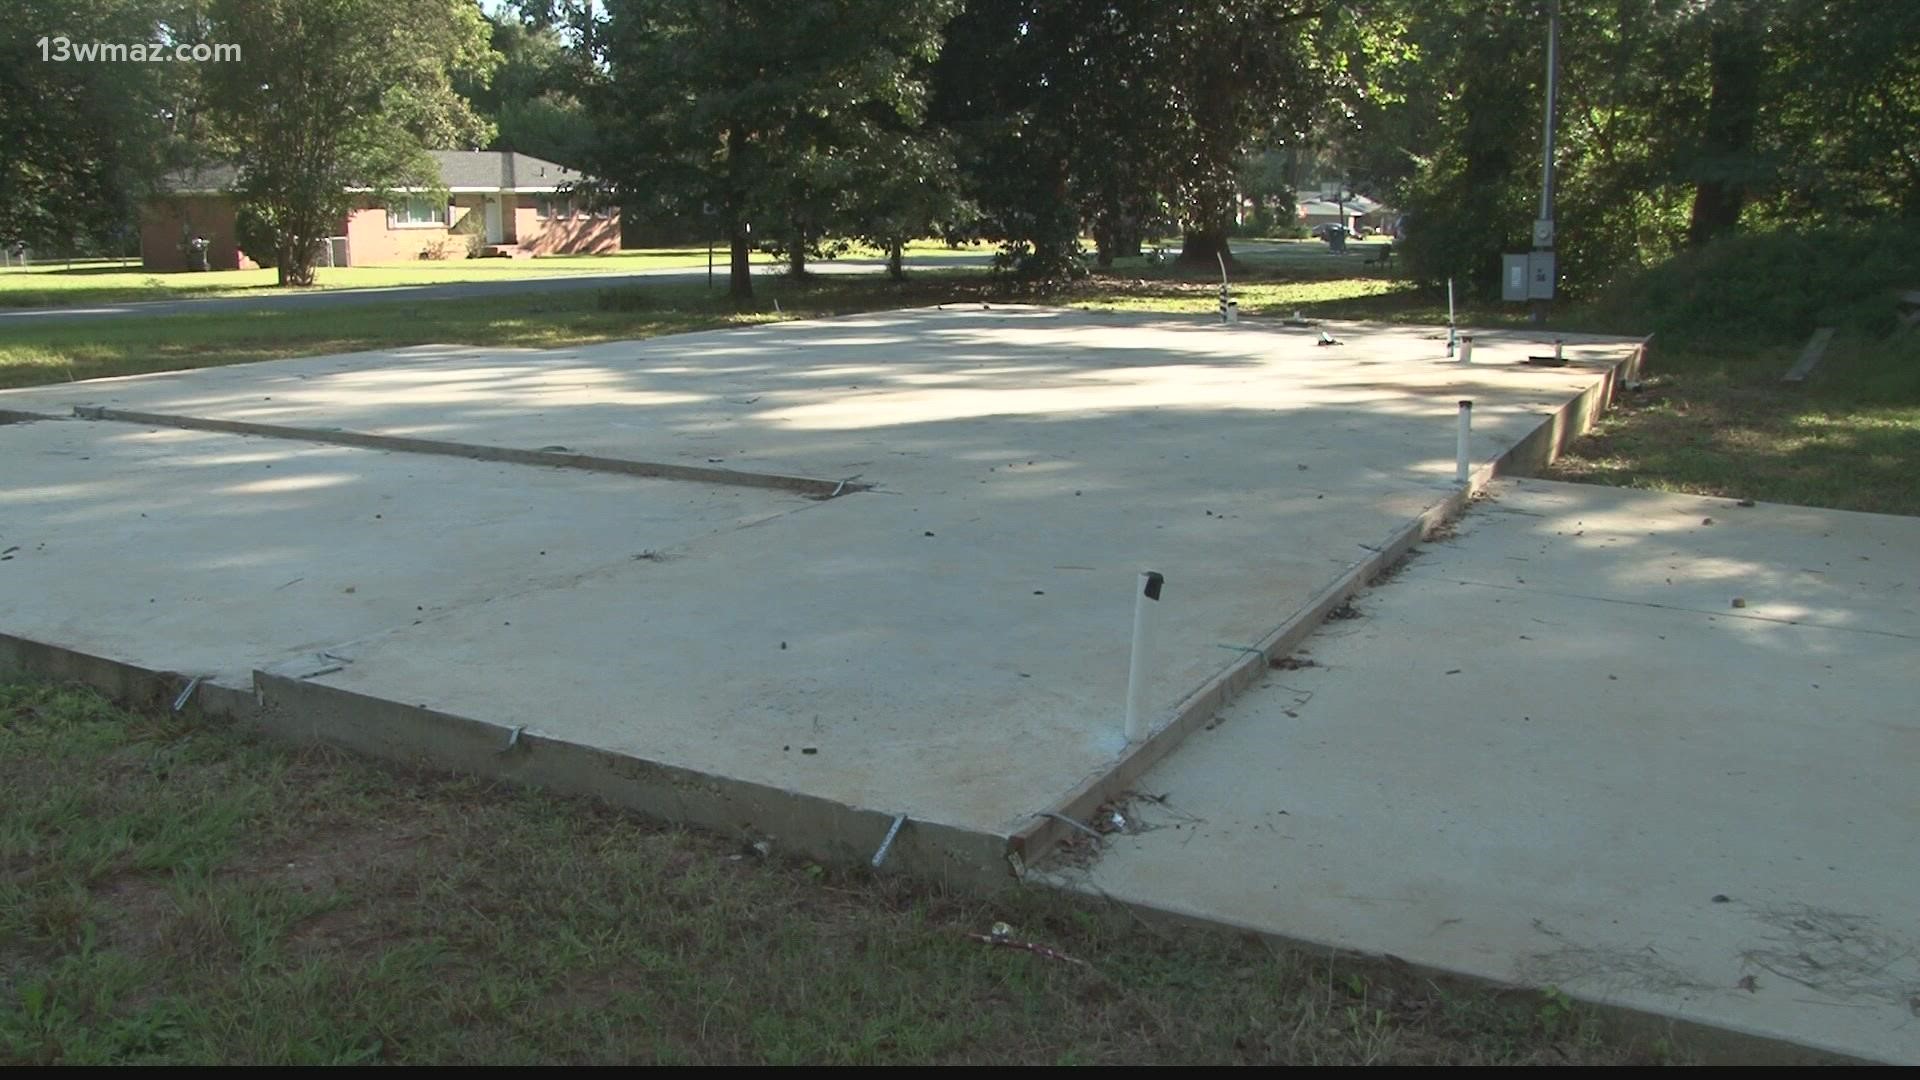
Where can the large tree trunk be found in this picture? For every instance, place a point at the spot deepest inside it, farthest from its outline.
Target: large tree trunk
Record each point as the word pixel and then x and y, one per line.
pixel 1204 247
pixel 797 254
pixel 1103 242
pixel 739 235
pixel 295 265
pixel 740 270
pixel 896 261
pixel 1735 63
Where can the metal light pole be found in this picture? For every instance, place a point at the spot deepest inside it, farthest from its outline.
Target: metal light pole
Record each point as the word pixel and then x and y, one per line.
pixel 1543 225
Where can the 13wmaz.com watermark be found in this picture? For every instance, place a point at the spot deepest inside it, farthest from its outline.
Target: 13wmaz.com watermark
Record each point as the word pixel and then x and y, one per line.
pixel 61 49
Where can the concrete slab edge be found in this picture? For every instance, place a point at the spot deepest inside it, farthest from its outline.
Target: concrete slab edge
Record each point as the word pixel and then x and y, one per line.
pixel 1531 453
pixel 16 416
pixel 304 711
pixel 131 686
pixel 1708 1042
pixel 301 712
pixel 805 485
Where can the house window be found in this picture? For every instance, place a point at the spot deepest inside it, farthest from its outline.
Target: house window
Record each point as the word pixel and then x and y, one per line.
pixel 543 207
pixel 416 210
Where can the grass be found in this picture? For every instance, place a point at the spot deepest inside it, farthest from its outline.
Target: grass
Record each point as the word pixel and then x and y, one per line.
pixel 172 891
pixel 1716 424
pixel 61 351
pixel 55 285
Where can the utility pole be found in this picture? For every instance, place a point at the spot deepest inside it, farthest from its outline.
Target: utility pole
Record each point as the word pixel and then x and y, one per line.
pixel 1543 225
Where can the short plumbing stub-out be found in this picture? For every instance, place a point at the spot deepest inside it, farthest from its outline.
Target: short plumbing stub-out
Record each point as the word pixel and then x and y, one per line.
pixel 1463 444
pixel 1146 599
pixel 1466 348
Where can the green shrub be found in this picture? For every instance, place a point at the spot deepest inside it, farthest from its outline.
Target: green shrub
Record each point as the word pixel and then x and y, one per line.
pixel 1773 287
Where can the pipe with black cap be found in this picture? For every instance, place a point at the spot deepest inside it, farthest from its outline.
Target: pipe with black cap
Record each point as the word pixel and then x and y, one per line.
pixel 1145 600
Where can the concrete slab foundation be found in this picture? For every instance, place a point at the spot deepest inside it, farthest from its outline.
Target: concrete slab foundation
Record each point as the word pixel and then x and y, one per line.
pixel 949 643
pixel 1554 751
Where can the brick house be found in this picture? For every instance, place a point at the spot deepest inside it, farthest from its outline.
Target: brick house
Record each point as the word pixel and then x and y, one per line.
pixel 496 202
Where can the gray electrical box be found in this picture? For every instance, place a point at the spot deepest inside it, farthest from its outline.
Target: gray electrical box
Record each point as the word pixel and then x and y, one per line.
pixel 1527 276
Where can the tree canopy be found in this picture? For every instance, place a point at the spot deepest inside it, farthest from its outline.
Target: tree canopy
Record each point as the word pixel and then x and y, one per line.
pixel 759 112
pixel 335 98
pixel 798 126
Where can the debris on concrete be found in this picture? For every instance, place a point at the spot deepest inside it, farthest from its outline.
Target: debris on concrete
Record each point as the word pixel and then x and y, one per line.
pixel 1739 601
pixel 1292 663
pixel 1065 820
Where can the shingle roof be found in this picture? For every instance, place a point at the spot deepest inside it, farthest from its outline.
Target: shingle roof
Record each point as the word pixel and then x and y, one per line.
pixel 460 170
pixel 216 177
pixel 500 169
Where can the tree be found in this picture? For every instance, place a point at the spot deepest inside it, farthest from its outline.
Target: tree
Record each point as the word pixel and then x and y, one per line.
pixel 1237 69
pixel 1841 116
pixel 1115 114
pixel 741 105
pixel 81 141
pixel 904 186
pixel 334 98
pixel 1736 64
pixel 1052 111
pixel 532 98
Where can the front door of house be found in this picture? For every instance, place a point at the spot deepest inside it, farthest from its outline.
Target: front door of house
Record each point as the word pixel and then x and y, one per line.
pixel 496 227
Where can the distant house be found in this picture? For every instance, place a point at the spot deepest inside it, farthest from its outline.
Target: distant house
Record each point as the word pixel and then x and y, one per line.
pixel 1357 210
pixel 496 202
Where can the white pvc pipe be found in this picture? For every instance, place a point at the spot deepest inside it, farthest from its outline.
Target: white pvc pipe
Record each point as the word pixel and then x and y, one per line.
pixel 1146 598
pixel 1466 348
pixel 1464 442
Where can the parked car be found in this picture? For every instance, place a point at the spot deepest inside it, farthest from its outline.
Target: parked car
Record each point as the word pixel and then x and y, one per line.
pixel 1326 230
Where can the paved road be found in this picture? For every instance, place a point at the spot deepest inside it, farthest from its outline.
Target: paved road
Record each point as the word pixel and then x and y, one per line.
pixel 459 290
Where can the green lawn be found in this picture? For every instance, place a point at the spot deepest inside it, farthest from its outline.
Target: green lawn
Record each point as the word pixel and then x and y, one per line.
pixel 54 285
pixel 58 352
pixel 173 891
pixel 1716 423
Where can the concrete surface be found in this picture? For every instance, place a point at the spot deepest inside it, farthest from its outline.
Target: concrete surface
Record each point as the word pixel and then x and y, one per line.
pixel 951 644
pixel 1553 752
pixel 213 554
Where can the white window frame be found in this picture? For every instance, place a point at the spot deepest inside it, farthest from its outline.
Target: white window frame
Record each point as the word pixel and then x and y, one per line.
pixel 400 213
